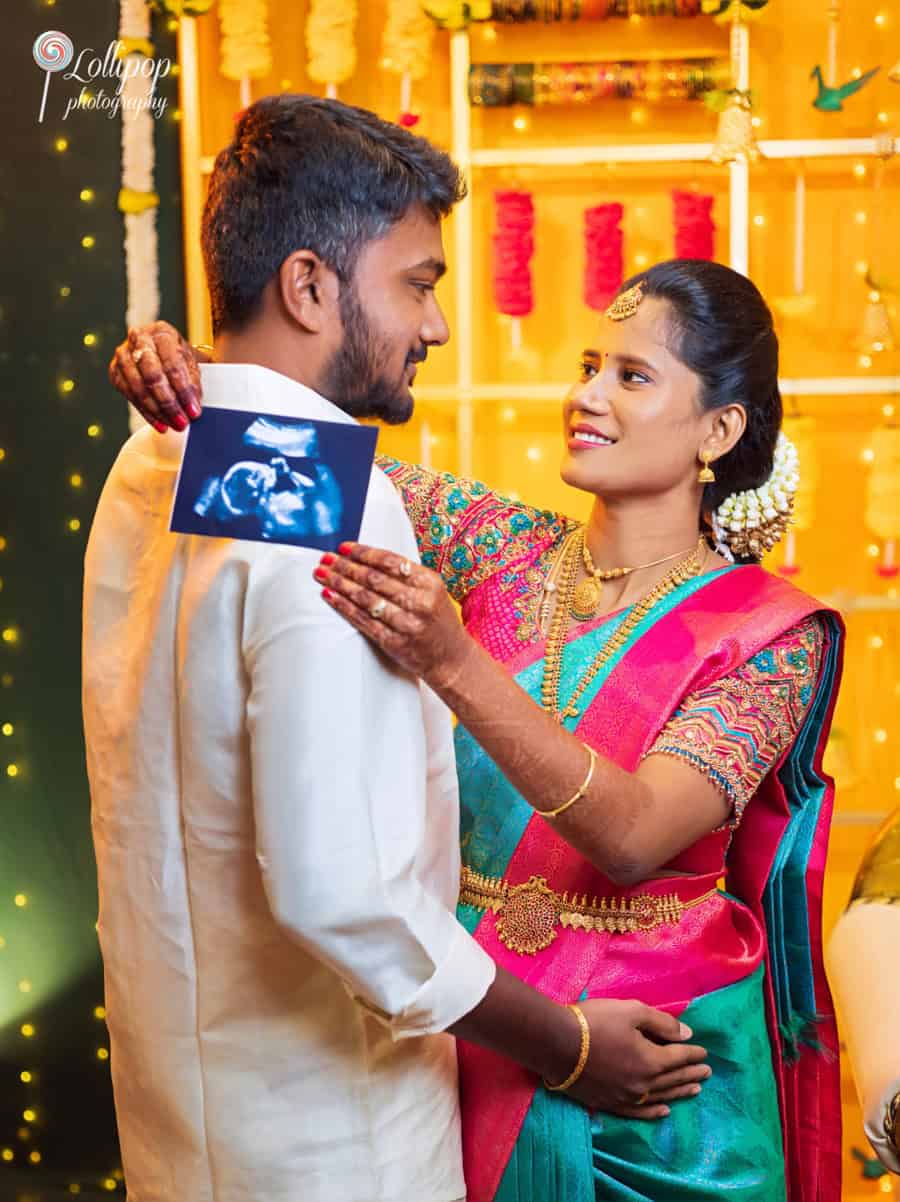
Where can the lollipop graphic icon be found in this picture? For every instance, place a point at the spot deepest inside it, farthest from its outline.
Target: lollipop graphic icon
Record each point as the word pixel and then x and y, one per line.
pixel 53 51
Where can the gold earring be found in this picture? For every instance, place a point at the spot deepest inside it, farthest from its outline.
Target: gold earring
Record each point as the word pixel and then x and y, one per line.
pixel 706 475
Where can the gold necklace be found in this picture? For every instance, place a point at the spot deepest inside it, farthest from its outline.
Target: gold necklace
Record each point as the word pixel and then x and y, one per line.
pixel 586 599
pixel 556 640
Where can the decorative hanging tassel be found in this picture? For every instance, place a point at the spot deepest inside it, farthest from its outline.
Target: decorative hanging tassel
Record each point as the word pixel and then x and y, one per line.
pixel 603 258
pixel 876 333
pixel 800 304
pixel 883 496
pixel 330 30
pixel 406 50
pixel 801 430
pixel 513 243
pixel 694 227
pixel 245 49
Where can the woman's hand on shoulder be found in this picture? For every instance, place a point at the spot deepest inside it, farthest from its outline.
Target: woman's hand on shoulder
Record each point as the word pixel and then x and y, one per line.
pixel 402 607
pixel 156 370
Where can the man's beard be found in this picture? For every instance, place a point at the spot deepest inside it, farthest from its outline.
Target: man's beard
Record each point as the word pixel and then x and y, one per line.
pixel 355 380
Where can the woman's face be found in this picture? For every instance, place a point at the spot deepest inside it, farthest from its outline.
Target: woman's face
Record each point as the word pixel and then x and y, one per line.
pixel 633 424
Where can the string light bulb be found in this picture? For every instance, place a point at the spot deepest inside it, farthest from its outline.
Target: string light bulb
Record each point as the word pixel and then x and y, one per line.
pixel 76 480
pixel 34 1156
pixel 12 770
pixel 26 1077
pixel 100 1012
pixel 103 1053
pixel 90 340
pixel 86 195
pixel 8 729
pixel 7 1154
pixel 65 291
pixel 28 1030
pixel 74 525
pixel 21 900
pixel 859 170
pixel 24 987
pixel 88 241
pixel 29 1115
pixel 66 386
pixel 61 145
pixel 880 736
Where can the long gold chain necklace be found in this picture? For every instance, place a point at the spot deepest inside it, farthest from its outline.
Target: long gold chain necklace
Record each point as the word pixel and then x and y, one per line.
pixel 586 598
pixel 556 639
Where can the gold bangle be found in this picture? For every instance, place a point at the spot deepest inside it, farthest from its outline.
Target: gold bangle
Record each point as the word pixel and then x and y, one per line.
pixel 206 349
pixel 582 1055
pixel 581 792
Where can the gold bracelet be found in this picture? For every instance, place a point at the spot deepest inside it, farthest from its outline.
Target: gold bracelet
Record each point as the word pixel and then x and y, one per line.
pixel 582 1055
pixel 581 792
pixel 206 349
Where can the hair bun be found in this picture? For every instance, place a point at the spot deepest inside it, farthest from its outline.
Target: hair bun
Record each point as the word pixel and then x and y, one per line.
pixel 747 524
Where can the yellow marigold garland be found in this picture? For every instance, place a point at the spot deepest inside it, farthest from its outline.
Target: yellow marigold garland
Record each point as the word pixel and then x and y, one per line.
pixel 408 35
pixel 330 29
pixel 246 52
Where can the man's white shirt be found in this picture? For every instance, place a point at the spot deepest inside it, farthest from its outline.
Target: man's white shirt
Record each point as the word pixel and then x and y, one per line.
pixel 275 817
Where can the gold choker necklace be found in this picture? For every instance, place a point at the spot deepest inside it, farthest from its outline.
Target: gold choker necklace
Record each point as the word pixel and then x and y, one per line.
pixel 586 598
pixel 551 700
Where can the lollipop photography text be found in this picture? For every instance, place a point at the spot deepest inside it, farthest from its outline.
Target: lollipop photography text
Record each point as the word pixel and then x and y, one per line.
pixel 122 64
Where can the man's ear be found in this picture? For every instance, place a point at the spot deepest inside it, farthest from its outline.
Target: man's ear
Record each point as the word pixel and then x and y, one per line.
pixel 308 290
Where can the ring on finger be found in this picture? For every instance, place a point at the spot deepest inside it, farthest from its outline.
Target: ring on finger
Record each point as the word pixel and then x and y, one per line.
pixel 405 568
pixel 139 354
pixel 377 610
pixel 642 1100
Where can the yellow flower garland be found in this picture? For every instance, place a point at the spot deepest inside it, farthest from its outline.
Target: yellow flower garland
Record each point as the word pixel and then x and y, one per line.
pixel 246 52
pixel 408 35
pixel 330 29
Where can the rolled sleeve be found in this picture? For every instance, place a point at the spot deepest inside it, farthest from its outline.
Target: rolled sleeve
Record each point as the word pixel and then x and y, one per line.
pixel 339 768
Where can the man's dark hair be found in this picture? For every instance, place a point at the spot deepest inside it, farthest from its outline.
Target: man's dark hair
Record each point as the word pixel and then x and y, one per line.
pixel 311 174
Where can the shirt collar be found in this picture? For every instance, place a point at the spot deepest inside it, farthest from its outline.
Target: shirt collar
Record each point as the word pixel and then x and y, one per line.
pixel 258 390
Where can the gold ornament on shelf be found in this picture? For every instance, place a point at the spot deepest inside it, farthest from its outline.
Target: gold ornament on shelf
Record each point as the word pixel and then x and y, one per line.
pixel 735 141
pixel 876 334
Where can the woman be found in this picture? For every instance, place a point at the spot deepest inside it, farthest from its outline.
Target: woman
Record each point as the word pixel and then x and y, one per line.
pixel 639 719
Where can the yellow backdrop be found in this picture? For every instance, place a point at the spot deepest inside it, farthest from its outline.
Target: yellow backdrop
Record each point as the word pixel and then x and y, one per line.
pixel 851 202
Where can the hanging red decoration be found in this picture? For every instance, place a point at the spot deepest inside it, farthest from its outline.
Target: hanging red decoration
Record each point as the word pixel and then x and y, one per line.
pixel 694 226
pixel 513 241
pixel 603 268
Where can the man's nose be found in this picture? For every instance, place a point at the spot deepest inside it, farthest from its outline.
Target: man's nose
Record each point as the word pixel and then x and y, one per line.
pixel 435 331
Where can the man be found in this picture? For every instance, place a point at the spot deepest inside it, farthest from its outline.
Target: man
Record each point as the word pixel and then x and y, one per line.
pixel 275 810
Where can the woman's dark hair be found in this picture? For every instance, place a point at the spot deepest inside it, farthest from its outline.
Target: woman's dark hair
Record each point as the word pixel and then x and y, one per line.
pixel 312 174
pixel 721 328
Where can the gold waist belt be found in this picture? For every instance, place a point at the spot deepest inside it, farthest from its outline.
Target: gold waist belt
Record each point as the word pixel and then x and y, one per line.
pixel 529 916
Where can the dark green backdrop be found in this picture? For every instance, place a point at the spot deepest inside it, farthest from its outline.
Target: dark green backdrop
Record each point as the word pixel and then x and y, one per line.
pixel 49 943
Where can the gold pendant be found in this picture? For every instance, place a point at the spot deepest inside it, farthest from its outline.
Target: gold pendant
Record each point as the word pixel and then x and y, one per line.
pixel 586 599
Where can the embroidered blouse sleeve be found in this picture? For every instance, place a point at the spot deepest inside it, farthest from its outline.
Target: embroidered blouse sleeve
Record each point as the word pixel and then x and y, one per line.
pixel 463 530
pixel 735 730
